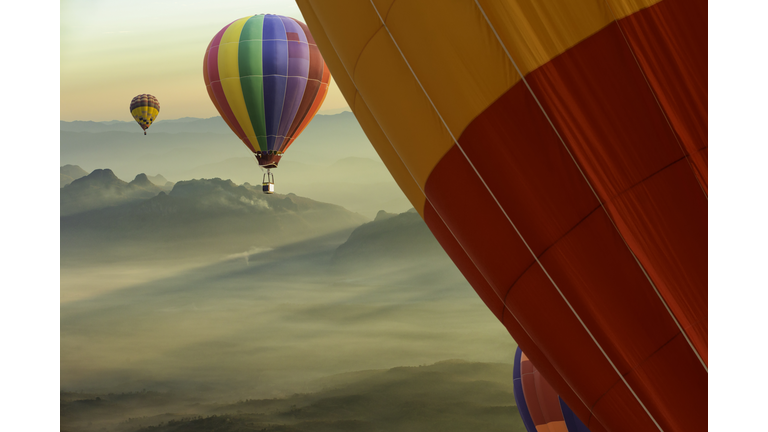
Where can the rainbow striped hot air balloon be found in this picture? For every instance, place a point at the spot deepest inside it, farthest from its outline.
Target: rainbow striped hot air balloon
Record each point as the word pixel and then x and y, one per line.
pixel 144 109
pixel 267 79
pixel 558 152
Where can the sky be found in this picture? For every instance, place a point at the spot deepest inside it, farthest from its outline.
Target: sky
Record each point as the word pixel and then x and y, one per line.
pixel 112 51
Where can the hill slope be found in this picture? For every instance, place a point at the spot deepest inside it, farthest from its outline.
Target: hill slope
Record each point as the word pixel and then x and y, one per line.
pixel 446 396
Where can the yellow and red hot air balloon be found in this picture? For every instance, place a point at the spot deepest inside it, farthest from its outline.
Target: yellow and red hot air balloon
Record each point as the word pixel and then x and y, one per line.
pixel 558 152
pixel 144 109
pixel 267 79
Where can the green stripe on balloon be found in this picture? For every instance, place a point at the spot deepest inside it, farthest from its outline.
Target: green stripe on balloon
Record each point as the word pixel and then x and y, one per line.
pixel 250 66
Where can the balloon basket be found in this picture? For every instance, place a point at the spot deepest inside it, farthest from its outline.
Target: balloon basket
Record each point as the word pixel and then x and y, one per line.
pixel 268 183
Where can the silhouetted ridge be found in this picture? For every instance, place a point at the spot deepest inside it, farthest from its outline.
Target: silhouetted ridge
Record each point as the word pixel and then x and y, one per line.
pixel 389 237
pixel 142 181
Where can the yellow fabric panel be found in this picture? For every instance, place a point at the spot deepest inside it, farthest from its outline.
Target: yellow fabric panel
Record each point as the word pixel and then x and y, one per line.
pixel 371 128
pixel 624 8
pixel 229 73
pixel 331 58
pixel 148 113
pixel 383 6
pixel 406 117
pixel 455 56
pixel 349 24
pixel 536 31
pixel 390 157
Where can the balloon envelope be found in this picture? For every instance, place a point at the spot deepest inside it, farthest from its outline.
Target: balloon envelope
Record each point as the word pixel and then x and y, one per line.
pixel 267 79
pixel 144 109
pixel 539 405
pixel 558 152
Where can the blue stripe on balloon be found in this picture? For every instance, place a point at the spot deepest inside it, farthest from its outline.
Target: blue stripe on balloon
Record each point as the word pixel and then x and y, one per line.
pixel 275 66
pixel 298 70
pixel 522 406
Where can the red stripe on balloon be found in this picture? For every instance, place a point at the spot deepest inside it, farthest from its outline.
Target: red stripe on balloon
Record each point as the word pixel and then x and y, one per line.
pixel 495 304
pixel 667 41
pixel 602 107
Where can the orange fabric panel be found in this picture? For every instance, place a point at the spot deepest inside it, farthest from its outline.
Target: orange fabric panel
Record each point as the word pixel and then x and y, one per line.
pixel 667 41
pixel 405 116
pixel 606 113
pixel 390 157
pixel 610 121
pixel 368 123
pixel 446 46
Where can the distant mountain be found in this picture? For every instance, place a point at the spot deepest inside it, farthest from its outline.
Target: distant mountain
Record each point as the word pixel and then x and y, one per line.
pixel 177 146
pixel 389 239
pixel 70 173
pixel 186 124
pixel 158 180
pixel 101 188
pixel 210 213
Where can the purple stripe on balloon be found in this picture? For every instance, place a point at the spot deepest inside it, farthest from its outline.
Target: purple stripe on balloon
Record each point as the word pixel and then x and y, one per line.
pixel 275 67
pixel 298 70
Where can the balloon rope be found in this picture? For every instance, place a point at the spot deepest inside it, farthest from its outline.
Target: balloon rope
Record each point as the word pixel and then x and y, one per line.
pixel 653 285
pixel 513 226
pixel 479 176
pixel 421 189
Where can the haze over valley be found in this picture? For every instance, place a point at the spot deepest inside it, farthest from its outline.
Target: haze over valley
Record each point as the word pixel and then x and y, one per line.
pixel 182 295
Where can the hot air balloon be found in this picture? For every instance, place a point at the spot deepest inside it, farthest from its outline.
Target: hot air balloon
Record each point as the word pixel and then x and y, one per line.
pixel 144 109
pixel 539 405
pixel 558 152
pixel 267 79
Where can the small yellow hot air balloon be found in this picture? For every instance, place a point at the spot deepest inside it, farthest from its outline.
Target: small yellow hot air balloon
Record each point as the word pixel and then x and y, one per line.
pixel 144 109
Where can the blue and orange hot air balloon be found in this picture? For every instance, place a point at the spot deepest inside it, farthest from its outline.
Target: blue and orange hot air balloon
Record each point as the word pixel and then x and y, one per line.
pixel 267 79
pixel 558 152
pixel 144 109
pixel 537 402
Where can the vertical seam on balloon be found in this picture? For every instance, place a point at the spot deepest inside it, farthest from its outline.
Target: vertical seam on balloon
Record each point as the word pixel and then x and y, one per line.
pixel 653 93
pixel 263 107
pixel 541 107
pixel 653 285
pixel 480 177
pixel 505 307
pixel 287 66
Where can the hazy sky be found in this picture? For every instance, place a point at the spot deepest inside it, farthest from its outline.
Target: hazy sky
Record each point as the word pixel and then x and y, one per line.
pixel 111 51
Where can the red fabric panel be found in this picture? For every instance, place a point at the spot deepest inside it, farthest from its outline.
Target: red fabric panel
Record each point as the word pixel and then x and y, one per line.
pixel 494 303
pixel 597 98
pixel 684 402
pixel 554 328
pixel 529 170
pixel 670 238
pixel 476 222
pixel 683 407
pixel 463 262
pixel 669 41
pixel 610 121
